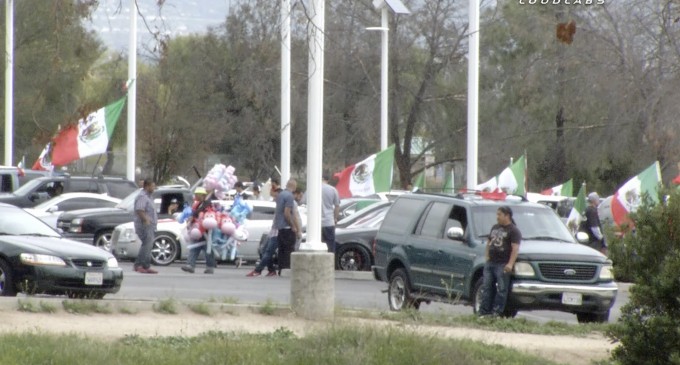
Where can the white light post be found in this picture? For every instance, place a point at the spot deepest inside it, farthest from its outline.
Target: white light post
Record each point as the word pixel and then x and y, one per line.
pixel 285 91
pixel 398 8
pixel 9 81
pixel 132 94
pixel 473 94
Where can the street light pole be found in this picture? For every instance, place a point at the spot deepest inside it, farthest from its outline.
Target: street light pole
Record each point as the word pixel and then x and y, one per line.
pixel 473 94
pixel 384 93
pixel 9 81
pixel 285 91
pixel 132 95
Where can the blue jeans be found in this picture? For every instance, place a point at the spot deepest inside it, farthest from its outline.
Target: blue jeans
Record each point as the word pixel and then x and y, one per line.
pixel 268 255
pixel 328 237
pixel 209 257
pixel 146 234
pixel 495 288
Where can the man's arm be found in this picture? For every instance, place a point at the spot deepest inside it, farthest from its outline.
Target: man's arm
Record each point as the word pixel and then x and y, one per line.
pixel 513 257
pixel 144 217
pixel 336 213
pixel 288 215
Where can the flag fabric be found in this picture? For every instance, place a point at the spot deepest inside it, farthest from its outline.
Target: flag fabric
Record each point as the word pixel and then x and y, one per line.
pixel 512 179
pixel 628 197
pixel 370 176
pixel 579 208
pixel 90 136
pixel 420 181
pixel 490 185
pixel 43 162
pixel 448 184
pixel 565 189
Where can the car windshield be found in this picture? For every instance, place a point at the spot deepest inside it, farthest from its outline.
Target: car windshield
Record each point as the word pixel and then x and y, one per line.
pixel 535 223
pixel 368 212
pixel 28 187
pixel 129 201
pixel 373 221
pixel 15 221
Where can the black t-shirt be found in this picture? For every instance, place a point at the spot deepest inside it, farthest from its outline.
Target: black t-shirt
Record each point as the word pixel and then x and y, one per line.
pixel 500 242
pixel 592 221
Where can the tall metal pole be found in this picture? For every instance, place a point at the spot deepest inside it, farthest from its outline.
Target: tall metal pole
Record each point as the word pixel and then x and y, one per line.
pixel 384 93
pixel 473 94
pixel 9 81
pixel 315 128
pixel 285 91
pixel 132 93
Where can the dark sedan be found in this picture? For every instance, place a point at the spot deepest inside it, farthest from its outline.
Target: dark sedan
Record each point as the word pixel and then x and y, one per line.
pixel 354 243
pixel 35 259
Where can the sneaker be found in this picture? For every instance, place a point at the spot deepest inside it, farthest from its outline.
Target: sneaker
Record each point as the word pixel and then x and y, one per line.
pixel 209 270
pixel 188 269
pixel 271 273
pixel 253 273
pixel 151 271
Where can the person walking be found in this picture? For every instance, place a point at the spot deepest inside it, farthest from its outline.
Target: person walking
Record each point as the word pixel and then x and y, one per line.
pixel 330 210
pixel 201 203
pixel 592 225
pixel 269 249
pixel 145 220
pixel 501 252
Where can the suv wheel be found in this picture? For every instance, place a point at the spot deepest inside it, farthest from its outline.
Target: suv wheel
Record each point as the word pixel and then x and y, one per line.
pixel 476 296
pixel 103 240
pixel 399 292
pixel 164 249
pixel 592 317
pixel 352 257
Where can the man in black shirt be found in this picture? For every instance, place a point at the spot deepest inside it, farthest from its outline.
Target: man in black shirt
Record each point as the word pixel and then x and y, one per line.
pixel 501 252
pixel 592 225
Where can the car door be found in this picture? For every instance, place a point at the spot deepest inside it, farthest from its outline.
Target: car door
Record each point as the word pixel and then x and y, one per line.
pixel 425 246
pixel 455 257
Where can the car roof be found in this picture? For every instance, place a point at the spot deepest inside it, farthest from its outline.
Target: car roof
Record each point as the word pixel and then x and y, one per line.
pixel 472 199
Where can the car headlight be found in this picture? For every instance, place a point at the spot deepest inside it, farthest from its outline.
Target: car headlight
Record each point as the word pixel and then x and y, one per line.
pixel 112 262
pixel 606 272
pixel 38 260
pixel 75 226
pixel 129 234
pixel 524 269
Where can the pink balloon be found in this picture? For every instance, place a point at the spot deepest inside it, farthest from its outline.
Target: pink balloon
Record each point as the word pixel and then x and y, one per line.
pixel 228 228
pixel 195 234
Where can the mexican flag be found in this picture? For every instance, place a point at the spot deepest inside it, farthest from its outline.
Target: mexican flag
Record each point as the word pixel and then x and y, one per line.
pixel 90 136
pixel 370 176
pixel 628 197
pixel 512 180
pixel 490 185
pixel 420 181
pixel 579 208
pixel 565 189
pixel 43 162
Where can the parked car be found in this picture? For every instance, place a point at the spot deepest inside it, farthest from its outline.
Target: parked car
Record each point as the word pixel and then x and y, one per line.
pixel 50 210
pixel 169 244
pixel 349 206
pixel 369 211
pixel 42 189
pixel 354 243
pixel 12 177
pixel 560 204
pixel 432 247
pixel 35 259
pixel 95 226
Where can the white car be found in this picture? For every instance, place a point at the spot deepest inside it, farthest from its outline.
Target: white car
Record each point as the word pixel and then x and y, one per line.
pixel 50 210
pixel 169 243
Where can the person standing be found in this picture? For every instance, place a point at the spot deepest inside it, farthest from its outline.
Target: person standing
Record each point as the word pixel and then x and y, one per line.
pixel 285 223
pixel 501 252
pixel 201 203
pixel 298 194
pixel 330 210
pixel 592 225
pixel 145 226
pixel 240 191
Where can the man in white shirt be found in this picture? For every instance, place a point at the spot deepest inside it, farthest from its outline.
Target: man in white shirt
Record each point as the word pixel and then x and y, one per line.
pixel 329 213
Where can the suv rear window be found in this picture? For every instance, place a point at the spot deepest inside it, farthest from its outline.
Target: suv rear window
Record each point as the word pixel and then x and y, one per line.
pixel 83 186
pixel 120 189
pixel 401 214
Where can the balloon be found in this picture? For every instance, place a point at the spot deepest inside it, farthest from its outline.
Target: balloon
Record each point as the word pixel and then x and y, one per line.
pixel 195 233
pixel 241 234
pixel 209 220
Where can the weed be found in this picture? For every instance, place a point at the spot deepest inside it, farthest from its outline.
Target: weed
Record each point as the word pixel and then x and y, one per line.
pixel 126 310
pixel 85 307
pixel 268 307
pixel 201 308
pixel 166 306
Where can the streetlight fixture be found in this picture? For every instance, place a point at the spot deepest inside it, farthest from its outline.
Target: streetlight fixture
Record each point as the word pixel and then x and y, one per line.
pixel 384 6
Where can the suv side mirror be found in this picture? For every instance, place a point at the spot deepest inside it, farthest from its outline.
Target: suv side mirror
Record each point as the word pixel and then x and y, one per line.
pixel 53 209
pixel 582 237
pixel 455 233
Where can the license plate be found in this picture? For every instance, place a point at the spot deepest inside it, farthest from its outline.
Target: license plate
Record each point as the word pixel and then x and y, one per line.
pixel 94 278
pixel 572 298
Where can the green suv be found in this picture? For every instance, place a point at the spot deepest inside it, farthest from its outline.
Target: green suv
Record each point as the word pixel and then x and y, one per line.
pixel 431 248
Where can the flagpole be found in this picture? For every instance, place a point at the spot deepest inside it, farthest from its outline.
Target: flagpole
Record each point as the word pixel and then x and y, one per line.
pixel 285 91
pixel 9 81
pixel 473 94
pixel 132 94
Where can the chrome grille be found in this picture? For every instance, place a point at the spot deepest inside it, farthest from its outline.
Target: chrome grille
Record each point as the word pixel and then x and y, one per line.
pixel 568 271
pixel 64 225
pixel 88 264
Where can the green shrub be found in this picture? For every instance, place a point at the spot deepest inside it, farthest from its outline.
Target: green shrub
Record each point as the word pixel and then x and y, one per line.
pixel 648 328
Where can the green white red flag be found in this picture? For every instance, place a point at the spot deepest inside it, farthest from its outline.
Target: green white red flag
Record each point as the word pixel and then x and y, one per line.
pixel 512 180
pixel 565 189
pixel 627 199
pixel 370 176
pixel 579 208
pixel 90 136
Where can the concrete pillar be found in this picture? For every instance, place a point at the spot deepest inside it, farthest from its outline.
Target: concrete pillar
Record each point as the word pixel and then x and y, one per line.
pixel 312 284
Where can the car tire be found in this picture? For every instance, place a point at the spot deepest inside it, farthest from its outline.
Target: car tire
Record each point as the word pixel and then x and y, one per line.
pixel 476 299
pixel 592 317
pixel 352 257
pixel 103 240
pixel 165 249
pixel 399 292
pixel 7 287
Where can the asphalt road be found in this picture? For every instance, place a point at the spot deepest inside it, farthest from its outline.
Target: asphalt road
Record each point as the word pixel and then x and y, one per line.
pixel 352 290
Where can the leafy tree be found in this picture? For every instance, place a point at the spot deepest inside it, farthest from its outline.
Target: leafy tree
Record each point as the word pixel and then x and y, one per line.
pixel 648 327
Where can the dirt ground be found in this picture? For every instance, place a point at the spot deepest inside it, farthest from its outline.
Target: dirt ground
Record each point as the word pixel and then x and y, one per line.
pixel 561 349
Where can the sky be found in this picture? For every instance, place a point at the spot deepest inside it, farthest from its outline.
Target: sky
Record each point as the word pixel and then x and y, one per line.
pixel 111 20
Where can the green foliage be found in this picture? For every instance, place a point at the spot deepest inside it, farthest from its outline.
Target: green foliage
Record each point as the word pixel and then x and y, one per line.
pixel 201 308
pixel 30 306
pixel 268 307
pixel 166 306
pixel 332 346
pixel 648 327
pixel 85 307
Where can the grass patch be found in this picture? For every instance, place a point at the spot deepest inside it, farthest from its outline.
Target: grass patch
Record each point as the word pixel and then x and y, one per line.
pixel 126 310
pixel 166 306
pixel 200 308
pixel 267 308
pixel 224 300
pixel 85 307
pixel 334 345
pixel 32 307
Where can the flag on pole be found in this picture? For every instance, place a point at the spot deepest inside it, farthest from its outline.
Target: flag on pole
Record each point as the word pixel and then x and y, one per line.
pixel 628 197
pixel 579 208
pixel 90 136
pixel 512 179
pixel 448 184
pixel 490 185
pixel 420 181
pixel 43 162
pixel 370 176
pixel 565 189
